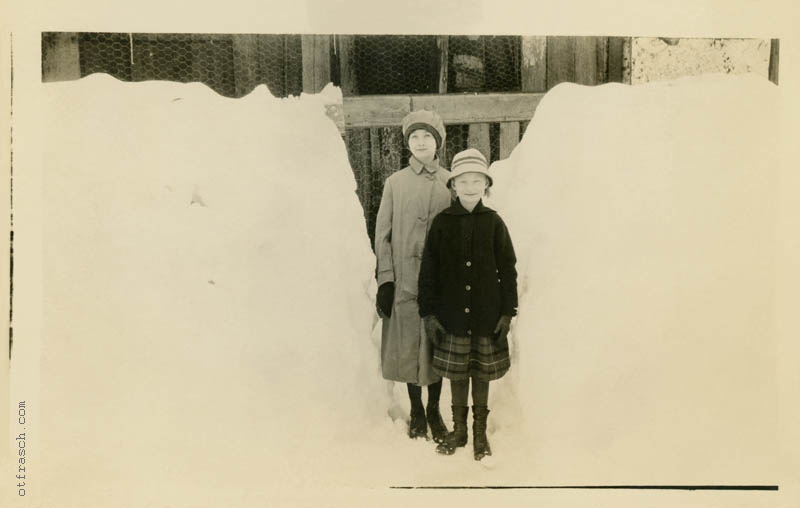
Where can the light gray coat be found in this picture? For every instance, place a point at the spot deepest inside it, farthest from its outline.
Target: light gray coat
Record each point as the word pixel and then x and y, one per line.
pixel 412 197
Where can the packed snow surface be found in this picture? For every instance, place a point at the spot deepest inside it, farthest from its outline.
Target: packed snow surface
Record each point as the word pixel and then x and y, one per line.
pixel 209 322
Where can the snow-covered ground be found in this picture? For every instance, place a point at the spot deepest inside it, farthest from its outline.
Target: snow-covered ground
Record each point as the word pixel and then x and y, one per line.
pixel 208 315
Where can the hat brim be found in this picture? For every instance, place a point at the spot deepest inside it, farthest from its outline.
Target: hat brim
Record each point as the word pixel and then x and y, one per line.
pixel 469 168
pixel 427 127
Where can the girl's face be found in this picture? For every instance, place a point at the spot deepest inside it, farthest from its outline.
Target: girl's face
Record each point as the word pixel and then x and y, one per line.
pixel 470 188
pixel 422 145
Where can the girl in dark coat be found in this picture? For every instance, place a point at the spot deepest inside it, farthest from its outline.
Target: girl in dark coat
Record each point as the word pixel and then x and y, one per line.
pixel 467 297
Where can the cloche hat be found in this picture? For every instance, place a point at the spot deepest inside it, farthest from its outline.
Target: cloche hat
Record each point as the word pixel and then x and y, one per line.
pixel 470 160
pixel 424 119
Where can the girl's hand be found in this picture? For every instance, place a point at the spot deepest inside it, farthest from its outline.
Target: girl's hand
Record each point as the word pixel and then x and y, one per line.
pixel 501 330
pixel 385 299
pixel 434 329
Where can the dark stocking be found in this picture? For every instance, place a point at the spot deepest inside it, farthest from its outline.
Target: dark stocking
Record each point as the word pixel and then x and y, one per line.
pixel 434 391
pixel 460 391
pixel 415 394
pixel 480 392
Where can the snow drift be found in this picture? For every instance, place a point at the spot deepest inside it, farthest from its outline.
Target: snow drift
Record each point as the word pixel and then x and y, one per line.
pixel 209 323
pixel 207 286
pixel 645 221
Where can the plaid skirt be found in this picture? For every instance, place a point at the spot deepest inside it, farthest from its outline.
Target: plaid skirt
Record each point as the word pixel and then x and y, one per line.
pixel 460 358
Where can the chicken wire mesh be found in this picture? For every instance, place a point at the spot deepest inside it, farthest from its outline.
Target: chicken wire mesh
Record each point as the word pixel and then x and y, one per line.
pixel 483 64
pixel 223 62
pixel 396 64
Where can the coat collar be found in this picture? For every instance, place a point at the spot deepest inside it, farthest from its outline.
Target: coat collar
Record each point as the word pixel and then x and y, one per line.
pixel 457 209
pixel 417 166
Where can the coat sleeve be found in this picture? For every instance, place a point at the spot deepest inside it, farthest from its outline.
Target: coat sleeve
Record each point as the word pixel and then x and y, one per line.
pixel 383 236
pixel 506 267
pixel 429 290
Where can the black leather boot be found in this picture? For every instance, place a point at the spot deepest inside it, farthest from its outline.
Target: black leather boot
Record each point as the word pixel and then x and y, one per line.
pixel 435 422
pixel 480 444
pixel 417 427
pixel 458 437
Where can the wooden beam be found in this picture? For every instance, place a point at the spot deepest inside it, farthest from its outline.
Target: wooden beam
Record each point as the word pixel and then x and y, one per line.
pixel 774 51
pixel 389 110
pixel 345 47
pixel 585 61
pixel 534 64
pixel 601 56
pixel 560 60
pixel 245 63
pixel 509 138
pixel 359 154
pixel 376 111
pixel 293 64
pixel 271 71
pixel 60 57
pixel 443 42
pixel 627 60
pixel 316 62
pixel 614 66
pixel 479 138
pixel 471 108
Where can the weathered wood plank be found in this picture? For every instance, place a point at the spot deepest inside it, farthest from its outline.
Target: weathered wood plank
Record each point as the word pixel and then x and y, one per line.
pixel 627 60
pixel 386 151
pixel 245 63
pixel 271 67
pixel 389 110
pixel 479 138
pixel 359 154
pixel 467 108
pixel 586 60
pixel 560 60
pixel 601 55
pixel 614 66
pixel 316 62
pixel 443 42
pixel 509 138
pixel 375 153
pixel 376 110
pixel 774 51
pixel 60 57
pixel 293 64
pixel 345 47
pixel 534 64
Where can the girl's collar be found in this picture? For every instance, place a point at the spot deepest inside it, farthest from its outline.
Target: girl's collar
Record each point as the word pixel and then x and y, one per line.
pixel 418 165
pixel 458 209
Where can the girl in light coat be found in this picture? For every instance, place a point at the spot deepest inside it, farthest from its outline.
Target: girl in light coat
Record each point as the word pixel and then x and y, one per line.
pixel 411 199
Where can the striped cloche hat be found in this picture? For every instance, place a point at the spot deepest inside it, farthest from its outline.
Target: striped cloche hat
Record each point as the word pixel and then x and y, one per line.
pixel 470 160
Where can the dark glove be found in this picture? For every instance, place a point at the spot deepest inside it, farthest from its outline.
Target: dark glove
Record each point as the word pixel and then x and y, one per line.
pixel 385 299
pixel 433 329
pixel 501 330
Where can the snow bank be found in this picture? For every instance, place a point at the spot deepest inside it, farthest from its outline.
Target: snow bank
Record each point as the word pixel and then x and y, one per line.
pixel 644 219
pixel 209 324
pixel 207 297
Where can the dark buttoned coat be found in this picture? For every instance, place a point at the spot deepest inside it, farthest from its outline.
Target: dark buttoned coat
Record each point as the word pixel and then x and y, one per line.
pixel 468 276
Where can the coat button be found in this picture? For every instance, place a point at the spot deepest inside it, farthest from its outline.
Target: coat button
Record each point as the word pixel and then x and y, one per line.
pixel 466 310
pixel 468 287
pixel 469 263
